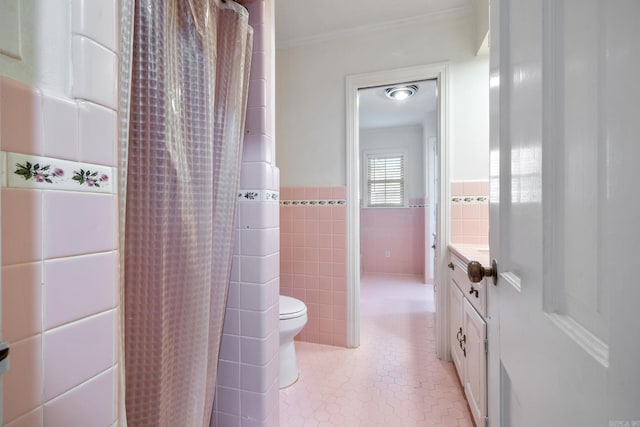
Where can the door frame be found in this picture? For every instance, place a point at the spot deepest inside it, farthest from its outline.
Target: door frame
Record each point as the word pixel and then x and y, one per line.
pixel 439 72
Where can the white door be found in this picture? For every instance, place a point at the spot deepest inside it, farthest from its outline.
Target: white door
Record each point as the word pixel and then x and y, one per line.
pixel 432 183
pixel 565 213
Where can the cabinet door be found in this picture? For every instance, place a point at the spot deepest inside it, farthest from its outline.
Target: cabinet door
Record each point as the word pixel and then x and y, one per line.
pixel 475 363
pixel 456 329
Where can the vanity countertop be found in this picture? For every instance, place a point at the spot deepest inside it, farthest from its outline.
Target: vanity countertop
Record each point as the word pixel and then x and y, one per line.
pixel 469 252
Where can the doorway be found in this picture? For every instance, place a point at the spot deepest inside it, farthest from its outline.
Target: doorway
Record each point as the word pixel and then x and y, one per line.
pixel 396 138
pixel 440 233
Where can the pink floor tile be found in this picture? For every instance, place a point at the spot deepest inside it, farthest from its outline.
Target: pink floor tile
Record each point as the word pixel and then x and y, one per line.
pixel 392 379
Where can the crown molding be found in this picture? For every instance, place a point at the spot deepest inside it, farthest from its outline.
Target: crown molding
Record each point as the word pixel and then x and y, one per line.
pixel 387 25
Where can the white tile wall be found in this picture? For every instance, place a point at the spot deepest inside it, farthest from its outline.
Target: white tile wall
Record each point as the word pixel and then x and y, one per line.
pixel 257 119
pixel 32 419
pixel 59 128
pixel 255 286
pixel 222 418
pixel 94 72
pixel 255 405
pixel 260 242
pixel 258 216
pixel 257 379
pixel 252 324
pixel 90 404
pixel 78 223
pixel 10 37
pixel 230 347
pixel 228 401
pixel 229 374
pixel 88 278
pixel 88 17
pixel 258 88
pixel 259 269
pixel 232 321
pixel 77 352
pixel 97 129
pixel 257 297
pixel 257 148
pixel 256 175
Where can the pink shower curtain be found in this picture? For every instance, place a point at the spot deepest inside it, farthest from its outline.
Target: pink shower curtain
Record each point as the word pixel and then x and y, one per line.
pixel 189 77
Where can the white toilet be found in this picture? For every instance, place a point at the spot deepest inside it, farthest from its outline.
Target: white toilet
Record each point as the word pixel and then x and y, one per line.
pixel 293 317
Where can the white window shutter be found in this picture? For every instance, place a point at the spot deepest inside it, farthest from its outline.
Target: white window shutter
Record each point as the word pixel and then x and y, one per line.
pixel 385 183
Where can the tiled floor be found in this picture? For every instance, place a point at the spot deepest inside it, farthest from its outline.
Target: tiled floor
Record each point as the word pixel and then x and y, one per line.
pixel 393 379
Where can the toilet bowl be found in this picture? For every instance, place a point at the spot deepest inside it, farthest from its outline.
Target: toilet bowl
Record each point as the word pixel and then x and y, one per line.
pixel 293 317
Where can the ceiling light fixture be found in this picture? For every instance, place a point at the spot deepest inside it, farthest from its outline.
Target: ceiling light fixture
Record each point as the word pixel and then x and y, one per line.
pixel 399 93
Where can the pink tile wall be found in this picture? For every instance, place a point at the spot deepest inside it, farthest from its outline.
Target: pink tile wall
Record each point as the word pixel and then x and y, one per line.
pixel 247 390
pixel 400 231
pixel 470 218
pixel 313 261
pixel 20 121
pixel 59 254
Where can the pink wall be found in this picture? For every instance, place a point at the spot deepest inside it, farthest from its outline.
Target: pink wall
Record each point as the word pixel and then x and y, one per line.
pixel 313 260
pixel 470 212
pixel 247 392
pixel 400 231
pixel 59 237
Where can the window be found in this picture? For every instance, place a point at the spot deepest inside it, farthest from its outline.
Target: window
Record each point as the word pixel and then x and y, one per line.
pixel 385 180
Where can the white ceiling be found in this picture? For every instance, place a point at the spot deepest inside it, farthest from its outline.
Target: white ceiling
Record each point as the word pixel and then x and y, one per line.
pixel 378 111
pixel 303 21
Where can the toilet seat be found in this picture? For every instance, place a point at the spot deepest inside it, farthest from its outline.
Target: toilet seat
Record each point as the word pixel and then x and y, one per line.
pixel 291 308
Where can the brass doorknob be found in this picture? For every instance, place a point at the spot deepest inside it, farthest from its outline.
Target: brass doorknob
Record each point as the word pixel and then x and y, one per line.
pixel 476 272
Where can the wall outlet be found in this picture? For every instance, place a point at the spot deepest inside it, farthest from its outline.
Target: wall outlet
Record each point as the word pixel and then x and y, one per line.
pixel 387 253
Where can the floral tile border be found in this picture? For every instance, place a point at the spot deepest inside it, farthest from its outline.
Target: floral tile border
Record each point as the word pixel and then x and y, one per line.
pixel 331 202
pixel 258 195
pixel 3 169
pixel 469 199
pixel 46 173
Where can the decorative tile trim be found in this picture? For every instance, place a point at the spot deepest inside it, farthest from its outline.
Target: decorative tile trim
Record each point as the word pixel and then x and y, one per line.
pixel 46 173
pixel 258 196
pixel 469 199
pixel 3 169
pixel 332 202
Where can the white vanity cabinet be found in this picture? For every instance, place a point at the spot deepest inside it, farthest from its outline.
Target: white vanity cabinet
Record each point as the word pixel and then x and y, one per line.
pixel 456 316
pixel 475 363
pixel 468 332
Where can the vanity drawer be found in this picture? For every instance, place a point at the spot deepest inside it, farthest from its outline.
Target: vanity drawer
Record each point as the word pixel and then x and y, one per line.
pixel 458 269
pixel 477 296
pixel 476 293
